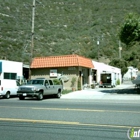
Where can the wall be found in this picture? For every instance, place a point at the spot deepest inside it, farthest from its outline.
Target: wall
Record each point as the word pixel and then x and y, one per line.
pixel 12 67
pixel 68 72
pixel 45 73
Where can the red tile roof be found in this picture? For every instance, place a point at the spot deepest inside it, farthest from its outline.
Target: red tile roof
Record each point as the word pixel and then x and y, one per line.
pixel 61 61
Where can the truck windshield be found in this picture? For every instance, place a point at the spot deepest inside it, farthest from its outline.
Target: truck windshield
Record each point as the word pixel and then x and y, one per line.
pixel 35 82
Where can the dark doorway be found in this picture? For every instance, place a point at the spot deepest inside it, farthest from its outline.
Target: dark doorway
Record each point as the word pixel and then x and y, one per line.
pixel 26 73
pixel 94 75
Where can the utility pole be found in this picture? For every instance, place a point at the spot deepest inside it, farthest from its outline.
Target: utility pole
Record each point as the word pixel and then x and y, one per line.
pixel 120 49
pixel 32 38
pixel 33 18
pixel 98 43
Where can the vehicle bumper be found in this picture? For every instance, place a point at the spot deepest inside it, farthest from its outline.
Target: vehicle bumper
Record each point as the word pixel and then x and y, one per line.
pixel 28 94
pixel 1 94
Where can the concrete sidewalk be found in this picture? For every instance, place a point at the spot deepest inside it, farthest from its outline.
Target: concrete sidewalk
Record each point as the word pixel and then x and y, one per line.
pixel 83 94
pixel 121 92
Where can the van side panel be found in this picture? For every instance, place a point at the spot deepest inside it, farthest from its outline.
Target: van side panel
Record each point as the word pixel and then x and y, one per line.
pixel 8 86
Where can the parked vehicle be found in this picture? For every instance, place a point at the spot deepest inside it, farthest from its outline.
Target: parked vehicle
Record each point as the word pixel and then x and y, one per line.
pixel 107 80
pixel 137 80
pixel 39 88
pixel 8 88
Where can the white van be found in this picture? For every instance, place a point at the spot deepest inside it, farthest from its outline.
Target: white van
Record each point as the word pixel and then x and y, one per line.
pixel 8 88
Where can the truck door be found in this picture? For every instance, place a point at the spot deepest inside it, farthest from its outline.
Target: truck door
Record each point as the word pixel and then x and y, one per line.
pixel 52 87
pixel 47 86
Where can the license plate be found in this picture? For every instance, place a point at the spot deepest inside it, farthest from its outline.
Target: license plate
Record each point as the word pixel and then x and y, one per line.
pixel 24 94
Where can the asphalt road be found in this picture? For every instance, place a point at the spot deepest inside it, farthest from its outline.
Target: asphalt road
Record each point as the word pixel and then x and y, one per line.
pixel 53 119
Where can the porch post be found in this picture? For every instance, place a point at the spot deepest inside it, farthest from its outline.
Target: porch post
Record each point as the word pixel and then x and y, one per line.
pixel 90 77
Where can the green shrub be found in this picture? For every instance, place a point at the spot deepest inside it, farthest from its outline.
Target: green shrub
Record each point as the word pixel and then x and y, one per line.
pixel 66 91
pixel 73 82
pixel 57 82
pixel 92 86
pixel 118 82
pixel 79 84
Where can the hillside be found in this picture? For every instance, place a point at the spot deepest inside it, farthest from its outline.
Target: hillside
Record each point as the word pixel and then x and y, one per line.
pixel 64 27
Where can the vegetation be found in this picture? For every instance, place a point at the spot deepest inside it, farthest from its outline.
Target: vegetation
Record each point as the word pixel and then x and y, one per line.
pixel 122 64
pixel 79 84
pixel 92 86
pixel 67 27
pixel 130 29
pixel 57 82
pixel 73 83
pixel 118 82
pixel 66 91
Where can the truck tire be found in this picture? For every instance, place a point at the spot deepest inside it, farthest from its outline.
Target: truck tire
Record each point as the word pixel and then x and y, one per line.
pixel 7 95
pixel 58 95
pixel 40 96
pixel 21 97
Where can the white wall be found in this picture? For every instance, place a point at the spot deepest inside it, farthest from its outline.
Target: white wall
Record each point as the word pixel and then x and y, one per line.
pixel 101 67
pixel 12 66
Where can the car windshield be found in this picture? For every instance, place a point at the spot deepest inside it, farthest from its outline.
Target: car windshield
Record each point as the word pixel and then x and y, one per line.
pixel 35 82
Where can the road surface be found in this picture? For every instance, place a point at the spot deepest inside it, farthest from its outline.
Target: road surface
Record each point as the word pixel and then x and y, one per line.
pixel 67 119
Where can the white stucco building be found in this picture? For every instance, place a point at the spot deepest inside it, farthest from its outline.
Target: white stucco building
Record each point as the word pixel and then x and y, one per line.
pixel 101 67
pixel 10 69
pixel 13 70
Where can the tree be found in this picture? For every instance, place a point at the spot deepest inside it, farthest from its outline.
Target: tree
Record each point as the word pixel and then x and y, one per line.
pixel 120 63
pixel 130 29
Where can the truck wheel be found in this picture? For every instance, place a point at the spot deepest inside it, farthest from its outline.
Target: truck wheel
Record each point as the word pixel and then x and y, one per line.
pixel 21 97
pixel 58 95
pixel 40 96
pixel 7 96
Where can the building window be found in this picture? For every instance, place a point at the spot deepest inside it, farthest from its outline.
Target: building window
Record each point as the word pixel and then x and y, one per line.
pixel 12 76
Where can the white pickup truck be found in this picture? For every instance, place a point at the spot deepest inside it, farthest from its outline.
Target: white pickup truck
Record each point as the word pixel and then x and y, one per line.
pixel 8 88
pixel 39 88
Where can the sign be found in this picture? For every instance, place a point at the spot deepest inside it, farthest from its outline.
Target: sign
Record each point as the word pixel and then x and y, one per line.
pixel 71 68
pixel 0 67
pixel 133 133
pixel 53 73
